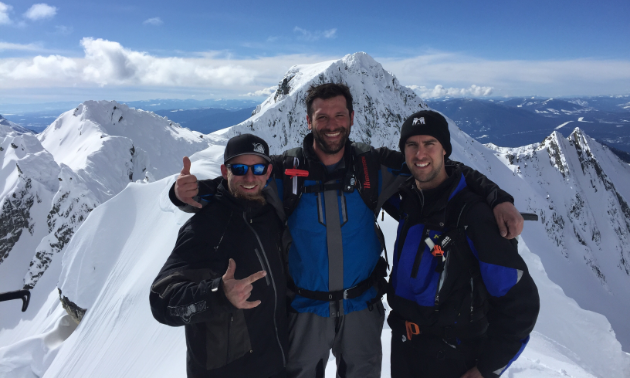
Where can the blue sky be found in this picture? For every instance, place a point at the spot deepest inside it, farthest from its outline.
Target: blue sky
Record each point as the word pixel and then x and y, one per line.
pixel 77 50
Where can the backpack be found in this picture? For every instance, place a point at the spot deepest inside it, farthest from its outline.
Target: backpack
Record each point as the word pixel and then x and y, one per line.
pixel 362 174
pixel 461 300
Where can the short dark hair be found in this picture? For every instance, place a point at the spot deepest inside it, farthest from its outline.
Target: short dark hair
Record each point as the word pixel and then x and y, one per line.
pixel 326 91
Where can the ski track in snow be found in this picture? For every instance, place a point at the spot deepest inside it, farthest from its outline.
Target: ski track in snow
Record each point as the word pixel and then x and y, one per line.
pixel 114 255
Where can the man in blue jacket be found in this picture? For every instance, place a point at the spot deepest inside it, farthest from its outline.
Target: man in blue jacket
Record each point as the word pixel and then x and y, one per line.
pixel 332 190
pixel 463 302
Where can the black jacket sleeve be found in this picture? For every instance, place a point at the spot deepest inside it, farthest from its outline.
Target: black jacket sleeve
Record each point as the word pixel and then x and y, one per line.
pixel 483 186
pixel 207 188
pixel 182 292
pixel 512 294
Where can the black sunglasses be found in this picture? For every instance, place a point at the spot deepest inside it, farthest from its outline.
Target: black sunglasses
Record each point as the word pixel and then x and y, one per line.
pixel 241 169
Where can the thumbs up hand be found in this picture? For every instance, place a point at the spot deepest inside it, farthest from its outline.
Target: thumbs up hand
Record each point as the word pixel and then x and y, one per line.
pixel 238 291
pixel 186 185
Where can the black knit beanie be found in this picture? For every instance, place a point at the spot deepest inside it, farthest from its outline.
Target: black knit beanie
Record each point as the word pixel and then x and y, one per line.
pixel 426 122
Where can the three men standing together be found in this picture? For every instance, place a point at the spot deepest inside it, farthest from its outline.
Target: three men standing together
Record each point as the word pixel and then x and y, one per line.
pixel 327 193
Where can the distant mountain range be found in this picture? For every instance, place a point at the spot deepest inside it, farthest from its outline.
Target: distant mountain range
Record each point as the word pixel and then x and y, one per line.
pixel 206 115
pixel 513 122
pixel 207 120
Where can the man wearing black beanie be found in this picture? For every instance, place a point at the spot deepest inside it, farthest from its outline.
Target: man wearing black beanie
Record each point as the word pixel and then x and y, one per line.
pixel 463 302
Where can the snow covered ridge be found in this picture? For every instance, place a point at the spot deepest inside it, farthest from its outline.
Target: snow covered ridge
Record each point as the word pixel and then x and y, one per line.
pixel 381 104
pixel 582 191
pixel 55 179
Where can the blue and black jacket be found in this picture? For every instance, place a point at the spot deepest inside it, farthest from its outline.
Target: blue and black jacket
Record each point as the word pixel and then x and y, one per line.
pixel 480 287
pixel 377 175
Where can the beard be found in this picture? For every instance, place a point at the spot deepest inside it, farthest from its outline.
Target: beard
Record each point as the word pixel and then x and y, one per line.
pixel 331 148
pixel 249 197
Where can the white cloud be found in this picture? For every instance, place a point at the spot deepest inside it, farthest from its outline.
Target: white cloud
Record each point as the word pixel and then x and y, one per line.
pixel 108 63
pixel 113 67
pixel 40 11
pixel 310 36
pixel 4 14
pixel 513 77
pixel 331 33
pixel 262 92
pixel 155 21
pixel 63 30
pixel 19 47
pixel 440 91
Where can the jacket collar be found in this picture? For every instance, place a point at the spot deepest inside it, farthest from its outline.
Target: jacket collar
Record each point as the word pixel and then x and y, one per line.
pixel 431 204
pixel 313 161
pixel 252 208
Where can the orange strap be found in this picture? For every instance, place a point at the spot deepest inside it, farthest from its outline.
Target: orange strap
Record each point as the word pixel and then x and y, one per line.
pixel 296 172
pixel 412 329
pixel 437 251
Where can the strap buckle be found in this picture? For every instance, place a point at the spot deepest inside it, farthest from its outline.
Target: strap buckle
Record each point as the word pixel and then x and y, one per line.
pixel 412 329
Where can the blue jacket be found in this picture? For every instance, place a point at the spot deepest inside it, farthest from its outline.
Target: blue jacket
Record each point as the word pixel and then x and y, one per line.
pixel 482 287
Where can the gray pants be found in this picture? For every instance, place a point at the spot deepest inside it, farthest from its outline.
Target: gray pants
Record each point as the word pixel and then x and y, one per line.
pixel 355 340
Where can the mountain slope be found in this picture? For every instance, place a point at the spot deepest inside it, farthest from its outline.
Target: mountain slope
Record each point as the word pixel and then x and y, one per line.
pixel 55 179
pixel 582 193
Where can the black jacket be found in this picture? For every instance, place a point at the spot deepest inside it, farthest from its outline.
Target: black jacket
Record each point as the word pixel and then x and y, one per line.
pixel 481 288
pixel 224 341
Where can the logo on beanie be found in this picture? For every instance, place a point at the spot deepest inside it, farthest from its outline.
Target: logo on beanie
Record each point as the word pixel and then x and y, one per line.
pixel 418 121
pixel 258 147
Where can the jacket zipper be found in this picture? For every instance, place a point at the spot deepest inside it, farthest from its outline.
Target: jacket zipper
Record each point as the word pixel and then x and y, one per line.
pixel 419 253
pixel 275 291
pixel 227 353
pixel 443 276
pixel 262 264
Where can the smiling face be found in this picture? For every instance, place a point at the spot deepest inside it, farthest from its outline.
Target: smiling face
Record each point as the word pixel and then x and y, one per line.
pixel 330 123
pixel 425 158
pixel 250 186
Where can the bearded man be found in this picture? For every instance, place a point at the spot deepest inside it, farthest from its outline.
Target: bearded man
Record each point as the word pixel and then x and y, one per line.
pixel 224 280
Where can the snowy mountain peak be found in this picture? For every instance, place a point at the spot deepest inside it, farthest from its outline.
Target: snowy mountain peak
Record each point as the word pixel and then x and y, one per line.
pixel 582 193
pixel 380 103
pixel 109 145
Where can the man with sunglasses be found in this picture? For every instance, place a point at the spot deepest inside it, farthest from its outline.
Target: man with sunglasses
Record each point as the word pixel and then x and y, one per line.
pixel 332 189
pixel 224 281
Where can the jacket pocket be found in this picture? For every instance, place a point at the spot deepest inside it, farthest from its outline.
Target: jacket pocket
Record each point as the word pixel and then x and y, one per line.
pixel 227 339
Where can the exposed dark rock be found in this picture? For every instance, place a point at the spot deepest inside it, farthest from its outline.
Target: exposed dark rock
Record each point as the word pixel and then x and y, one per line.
pixel 15 217
pixel 283 88
pixel 75 312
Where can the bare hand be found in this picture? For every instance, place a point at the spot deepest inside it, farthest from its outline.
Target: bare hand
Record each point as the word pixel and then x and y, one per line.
pixel 238 291
pixel 186 185
pixel 472 373
pixel 509 220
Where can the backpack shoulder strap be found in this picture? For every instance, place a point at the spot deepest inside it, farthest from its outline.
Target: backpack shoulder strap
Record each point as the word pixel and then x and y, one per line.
pixel 292 186
pixel 366 169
